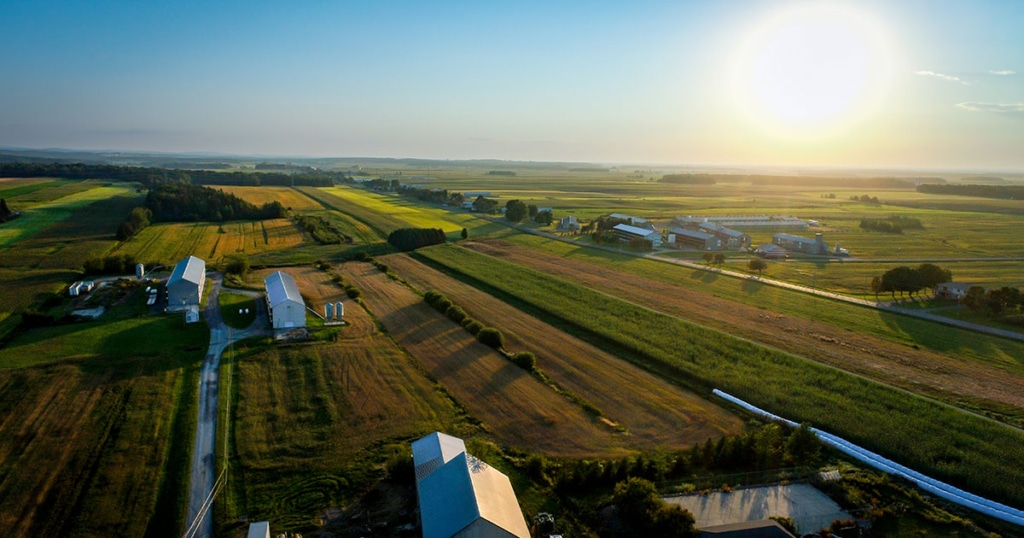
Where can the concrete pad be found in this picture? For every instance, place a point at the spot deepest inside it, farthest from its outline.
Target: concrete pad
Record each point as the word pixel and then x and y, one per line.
pixel 810 509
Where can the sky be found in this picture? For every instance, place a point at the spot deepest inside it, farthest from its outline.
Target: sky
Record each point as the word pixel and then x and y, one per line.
pixel 895 84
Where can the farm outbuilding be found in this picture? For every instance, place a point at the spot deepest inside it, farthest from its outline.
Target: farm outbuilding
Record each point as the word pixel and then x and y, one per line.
pixel 568 224
pixel 694 239
pixel 805 245
pixel 627 233
pixel 285 304
pixel 460 495
pixel 185 287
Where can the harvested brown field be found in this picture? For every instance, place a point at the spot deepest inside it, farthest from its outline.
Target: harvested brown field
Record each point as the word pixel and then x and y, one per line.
pixel 517 408
pixel 289 197
pixel 946 377
pixel 653 411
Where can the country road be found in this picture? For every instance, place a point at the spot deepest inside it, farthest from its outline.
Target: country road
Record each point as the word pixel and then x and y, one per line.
pixel 202 478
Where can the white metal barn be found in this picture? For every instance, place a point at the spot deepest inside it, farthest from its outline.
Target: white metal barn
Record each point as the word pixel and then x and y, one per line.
pixel 287 309
pixel 461 495
pixel 185 287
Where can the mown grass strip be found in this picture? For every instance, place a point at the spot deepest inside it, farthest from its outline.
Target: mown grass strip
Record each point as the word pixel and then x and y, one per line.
pixel 976 454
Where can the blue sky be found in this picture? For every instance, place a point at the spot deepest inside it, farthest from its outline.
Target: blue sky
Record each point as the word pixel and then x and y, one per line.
pixel 632 82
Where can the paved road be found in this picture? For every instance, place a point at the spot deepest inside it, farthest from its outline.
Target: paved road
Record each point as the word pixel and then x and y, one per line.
pixel 202 479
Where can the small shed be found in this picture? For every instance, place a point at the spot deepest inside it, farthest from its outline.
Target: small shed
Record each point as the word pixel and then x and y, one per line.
pixel 285 304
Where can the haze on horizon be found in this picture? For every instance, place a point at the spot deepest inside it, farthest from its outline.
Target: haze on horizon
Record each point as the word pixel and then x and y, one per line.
pixel 741 83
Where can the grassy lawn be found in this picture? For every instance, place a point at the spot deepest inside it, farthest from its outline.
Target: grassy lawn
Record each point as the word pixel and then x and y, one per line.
pixel 231 304
pixel 971 452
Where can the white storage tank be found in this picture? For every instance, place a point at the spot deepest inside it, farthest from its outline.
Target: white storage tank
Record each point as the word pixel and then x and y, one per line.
pixel 328 311
pixel 140 271
pixel 339 309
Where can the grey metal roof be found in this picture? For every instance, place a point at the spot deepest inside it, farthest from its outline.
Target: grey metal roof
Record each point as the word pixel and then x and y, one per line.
pixel 796 238
pixel 281 287
pixel 433 451
pixel 633 230
pixel 691 233
pixel 190 269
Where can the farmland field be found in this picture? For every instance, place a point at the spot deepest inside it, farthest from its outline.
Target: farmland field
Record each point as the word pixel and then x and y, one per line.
pixel 39 217
pixel 970 451
pixel 93 445
pixel 290 198
pixel 27 193
pixel 312 425
pixel 662 416
pixel 519 410
pixel 167 243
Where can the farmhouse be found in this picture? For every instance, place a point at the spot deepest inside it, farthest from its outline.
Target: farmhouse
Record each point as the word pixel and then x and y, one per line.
pixel 952 290
pixel 185 287
pixel 628 233
pixel 803 245
pixel 460 495
pixel 285 304
pixel 679 238
pixel 568 224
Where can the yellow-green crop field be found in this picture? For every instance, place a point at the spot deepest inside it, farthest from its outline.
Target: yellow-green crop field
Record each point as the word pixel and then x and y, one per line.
pixel 413 212
pixel 167 243
pixel 289 197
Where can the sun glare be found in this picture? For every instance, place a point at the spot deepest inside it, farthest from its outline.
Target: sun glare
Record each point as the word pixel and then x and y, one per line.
pixel 810 69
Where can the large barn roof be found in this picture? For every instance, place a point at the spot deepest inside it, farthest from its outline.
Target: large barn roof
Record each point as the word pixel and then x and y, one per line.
pixel 281 287
pixel 691 233
pixel 464 491
pixel 433 451
pixel 190 269
pixel 633 230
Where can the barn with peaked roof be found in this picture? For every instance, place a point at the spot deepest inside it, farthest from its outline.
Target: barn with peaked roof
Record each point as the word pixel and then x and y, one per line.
pixel 285 304
pixel 460 495
pixel 185 287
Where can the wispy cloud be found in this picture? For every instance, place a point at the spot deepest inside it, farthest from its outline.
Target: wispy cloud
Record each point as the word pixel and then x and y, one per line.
pixel 1010 109
pixel 942 76
pixel 1003 72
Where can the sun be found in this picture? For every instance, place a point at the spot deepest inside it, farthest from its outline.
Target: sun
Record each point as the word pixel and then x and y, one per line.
pixel 810 68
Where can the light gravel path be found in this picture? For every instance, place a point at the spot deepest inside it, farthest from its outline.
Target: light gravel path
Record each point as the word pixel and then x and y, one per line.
pixel 203 459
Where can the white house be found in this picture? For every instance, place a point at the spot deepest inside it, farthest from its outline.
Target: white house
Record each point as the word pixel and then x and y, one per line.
pixel 460 495
pixel 285 304
pixel 185 287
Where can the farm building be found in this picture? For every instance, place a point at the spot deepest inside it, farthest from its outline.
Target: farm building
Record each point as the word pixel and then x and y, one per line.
pixel 952 290
pixel 803 245
pixel 185 287
pixel 569 224
pixel 633 221
pixel 731 239
pixel 259 529
pixel 751 222
pixel 285 304
pixel 679 238
pixel 460 495
pixel 628 233
pixel 770 251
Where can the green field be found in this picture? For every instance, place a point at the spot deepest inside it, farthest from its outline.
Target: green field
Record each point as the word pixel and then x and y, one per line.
pixel 166 243
pixel 41 216
pixel 97 426
pixel 231 303
pixel 970 452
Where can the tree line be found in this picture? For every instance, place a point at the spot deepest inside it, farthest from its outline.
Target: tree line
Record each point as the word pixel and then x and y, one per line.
pixel 1000 192
pixel 893 224
pixel 996 301
pixel 910 280
pixel 406 239
pixel 149 176
pixel 184 202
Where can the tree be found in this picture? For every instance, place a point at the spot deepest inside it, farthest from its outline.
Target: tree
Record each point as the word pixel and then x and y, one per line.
pixel 932 275
pixel 757 264
pixel 525 360
pixel 719 259
pixel 515 210
pixel 975 297
pixel 543 218
pixel 902 279
pixel 709 257
pixel 1002 299
pixel 489 336
pixel 803 446
pixel 484 205
pixel 531 210
pixel 465 233
pixel 876 286
pixel 642 510
pixel 237 264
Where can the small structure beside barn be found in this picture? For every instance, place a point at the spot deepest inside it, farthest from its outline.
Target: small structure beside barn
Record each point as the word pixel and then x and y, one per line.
pixel 285 304
pixel 771 252
pixel 460 495
pixel 952 290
